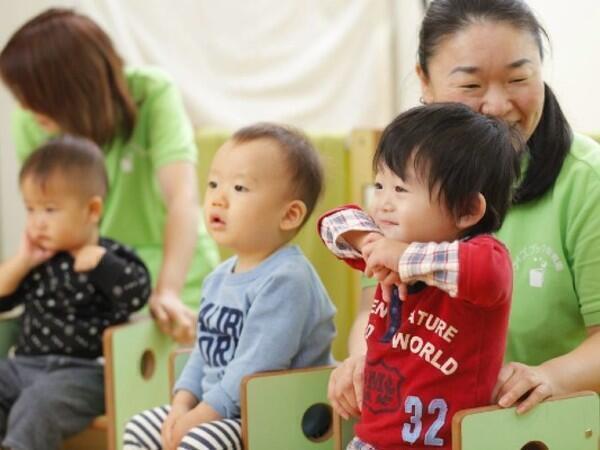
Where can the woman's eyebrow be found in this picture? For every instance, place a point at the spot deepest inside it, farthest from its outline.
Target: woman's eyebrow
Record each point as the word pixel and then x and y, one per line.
pixel 464 69
pixel 519 63
pixel 474 69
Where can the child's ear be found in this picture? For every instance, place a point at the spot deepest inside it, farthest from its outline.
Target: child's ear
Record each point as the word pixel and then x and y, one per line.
pixel 294 215
pixel 476 211
pixel 95 208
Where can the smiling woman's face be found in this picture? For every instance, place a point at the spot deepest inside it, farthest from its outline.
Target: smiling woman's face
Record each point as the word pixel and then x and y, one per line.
pixel 494 68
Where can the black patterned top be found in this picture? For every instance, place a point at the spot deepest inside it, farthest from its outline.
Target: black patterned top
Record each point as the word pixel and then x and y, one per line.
pixel 66 312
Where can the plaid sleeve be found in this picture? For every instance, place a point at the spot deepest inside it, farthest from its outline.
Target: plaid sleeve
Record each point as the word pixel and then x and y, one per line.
pixel 340 222
pixel 435 264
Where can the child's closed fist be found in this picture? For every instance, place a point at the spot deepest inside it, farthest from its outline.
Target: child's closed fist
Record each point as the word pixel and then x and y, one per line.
pixel 88 257
pixel 382 257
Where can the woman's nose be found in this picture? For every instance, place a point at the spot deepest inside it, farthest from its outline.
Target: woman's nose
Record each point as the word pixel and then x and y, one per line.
pixel 496 103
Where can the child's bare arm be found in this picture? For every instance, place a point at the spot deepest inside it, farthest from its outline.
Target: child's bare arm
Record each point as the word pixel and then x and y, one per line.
pixel 13 270
pixel 12 273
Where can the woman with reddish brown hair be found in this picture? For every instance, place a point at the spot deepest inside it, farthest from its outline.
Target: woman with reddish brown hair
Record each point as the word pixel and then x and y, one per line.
pixel 67 78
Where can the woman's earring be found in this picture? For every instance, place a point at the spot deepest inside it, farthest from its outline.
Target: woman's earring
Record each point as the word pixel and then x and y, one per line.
pixel 422 101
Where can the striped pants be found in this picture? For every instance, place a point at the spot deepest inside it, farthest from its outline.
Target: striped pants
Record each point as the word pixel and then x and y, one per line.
pixel 143 432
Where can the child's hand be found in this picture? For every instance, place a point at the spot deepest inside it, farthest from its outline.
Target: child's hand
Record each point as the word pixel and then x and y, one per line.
pixel 382 257
pixel 345 388
pixel 31 254
pixel 166 432
pixel 357 239
pixel 201 413
pixel 180 428
pixel 366 239
pixel 88 257
pixel 386 291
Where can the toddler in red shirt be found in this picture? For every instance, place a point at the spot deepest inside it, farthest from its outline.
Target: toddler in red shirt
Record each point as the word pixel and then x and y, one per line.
pixel 435 344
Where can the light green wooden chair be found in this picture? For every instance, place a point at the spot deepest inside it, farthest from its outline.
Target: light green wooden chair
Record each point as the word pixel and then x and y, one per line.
pixel 285 409
pixel 136 378
pixel 290 410
pixel 569 422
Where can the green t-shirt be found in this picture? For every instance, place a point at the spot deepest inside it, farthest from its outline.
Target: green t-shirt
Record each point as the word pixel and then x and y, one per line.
pixel 135 212
pixel 555 248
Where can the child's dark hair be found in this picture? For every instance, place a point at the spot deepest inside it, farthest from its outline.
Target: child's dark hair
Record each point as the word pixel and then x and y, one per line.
pixel 77 160
pixel 458 153
pixel 306 171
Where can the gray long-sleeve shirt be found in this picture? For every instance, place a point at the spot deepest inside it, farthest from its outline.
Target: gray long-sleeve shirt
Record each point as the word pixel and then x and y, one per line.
pixel 275 316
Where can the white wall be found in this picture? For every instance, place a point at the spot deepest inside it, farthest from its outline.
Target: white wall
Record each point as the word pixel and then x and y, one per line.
pixel 573 69
pixel 320 64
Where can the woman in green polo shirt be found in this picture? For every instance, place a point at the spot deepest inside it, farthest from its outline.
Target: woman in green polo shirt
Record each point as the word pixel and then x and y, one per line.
pixel 488 55
pixel 67 77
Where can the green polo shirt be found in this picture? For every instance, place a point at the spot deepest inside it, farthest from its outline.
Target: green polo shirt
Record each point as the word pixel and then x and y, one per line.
pixel 135 212
pixel 554 243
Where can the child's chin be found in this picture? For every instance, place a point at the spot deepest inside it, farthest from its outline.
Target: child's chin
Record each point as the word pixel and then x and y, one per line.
pixel 220 240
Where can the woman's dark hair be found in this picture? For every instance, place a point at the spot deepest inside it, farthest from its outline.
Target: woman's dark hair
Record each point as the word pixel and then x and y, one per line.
pixel 552 138
pixel 62 65
pixel 458 153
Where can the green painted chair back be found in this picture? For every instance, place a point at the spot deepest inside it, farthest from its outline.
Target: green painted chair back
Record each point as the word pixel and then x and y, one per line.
pixel 274 404
pixel 567 423
pixel 140 372
pixel 177 360
pixel 340 281
pixel 136 377
pixel 287 410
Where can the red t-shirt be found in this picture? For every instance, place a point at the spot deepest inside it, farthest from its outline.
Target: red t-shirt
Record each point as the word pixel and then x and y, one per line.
pixel 445 356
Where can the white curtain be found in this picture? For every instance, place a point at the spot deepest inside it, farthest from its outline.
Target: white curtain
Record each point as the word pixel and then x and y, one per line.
pixel 319 64
pixel 324 65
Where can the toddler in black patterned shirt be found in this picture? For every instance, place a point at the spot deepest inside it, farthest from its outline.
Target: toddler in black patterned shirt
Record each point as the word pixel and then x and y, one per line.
pixel 73 284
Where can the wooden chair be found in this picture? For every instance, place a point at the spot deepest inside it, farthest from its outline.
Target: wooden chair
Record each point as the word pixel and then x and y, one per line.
pixel 570 422
pixel 285 409
pixel 136 378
